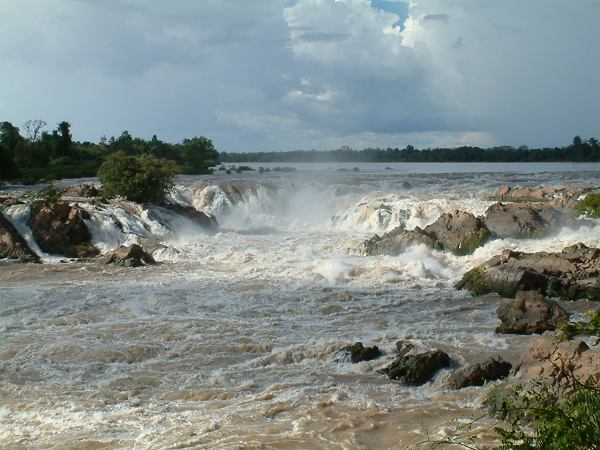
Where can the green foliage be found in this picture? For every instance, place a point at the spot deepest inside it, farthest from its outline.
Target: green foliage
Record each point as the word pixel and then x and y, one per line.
pixel 546 417
pixel 590 205
pixel 143 178
pixel 39 199
pixel 591 328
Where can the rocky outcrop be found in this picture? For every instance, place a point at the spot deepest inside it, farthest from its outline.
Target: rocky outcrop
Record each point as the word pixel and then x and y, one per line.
pixel 530 313
pixel 9 200
pixel 82 190
pixel 524 220
pixel 553 362
pixel 457 232
pixel 198 217
pixel 415 370
pixel 59 229
pixel 524 194
pixel 129 256
pixel 571 274
pixel 12 244
pixel 358 352
pixel 477 374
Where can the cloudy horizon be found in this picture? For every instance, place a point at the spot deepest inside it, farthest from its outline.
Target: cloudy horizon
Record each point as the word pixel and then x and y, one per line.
pixel 284 75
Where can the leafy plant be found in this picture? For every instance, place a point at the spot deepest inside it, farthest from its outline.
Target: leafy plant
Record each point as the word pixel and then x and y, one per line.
pixel 590 205
pixel 44 197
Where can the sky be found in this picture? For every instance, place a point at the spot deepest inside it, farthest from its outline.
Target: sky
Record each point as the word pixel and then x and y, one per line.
pixel 292 74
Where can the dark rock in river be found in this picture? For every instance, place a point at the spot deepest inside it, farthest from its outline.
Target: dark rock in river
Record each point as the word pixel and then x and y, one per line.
pixel 571 274
pixel 477 374
pixel 198 217
pixel 358 352
pixel 523 220
pixel 82 190
pixel 530 313
pixel 458 232
pixel 130 256
pixel 8 200
pixel 58 228
pixel 12 244
pixel 415 370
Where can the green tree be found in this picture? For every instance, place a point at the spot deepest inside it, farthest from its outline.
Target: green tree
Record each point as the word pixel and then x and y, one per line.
pixel 198 155
pixel 143 178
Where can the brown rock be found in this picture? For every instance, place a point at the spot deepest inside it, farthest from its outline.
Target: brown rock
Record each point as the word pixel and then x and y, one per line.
pixel 530 313
pixel 130 256
pixel 358 352
pixel 12 244
pixel 58 228
pixel 477 374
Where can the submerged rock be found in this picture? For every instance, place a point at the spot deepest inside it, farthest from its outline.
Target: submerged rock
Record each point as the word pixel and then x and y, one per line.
pixel 58 228
pixel 530 313
pixel 130 256
pixel 358 352
pixel 570 274
pixel 457 232
pixel 477 374
pixel 12 244
pixel 415 370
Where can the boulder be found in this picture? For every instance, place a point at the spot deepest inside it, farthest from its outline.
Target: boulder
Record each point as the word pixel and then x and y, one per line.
pixel 458 232
pixel 358 352
pixel 58 228
pixel 198 217
pixel 415 370
pixel 477 374
pixel 396 241
pixel 524 194
pixel 82 190
pixel 12 244
pixel 570 274
pixel 8 200
pixel 530 313
pixel 554 362
pixel 129 256
pixel 523 220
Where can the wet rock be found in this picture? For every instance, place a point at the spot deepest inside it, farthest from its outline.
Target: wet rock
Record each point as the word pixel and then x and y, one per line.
pixel 523 221
pixel 458 232
pixel 129 256
pixel 415 370
pixel 82 190
pixel 58 228
pixel 524 194
pixel 570 274
pixel 554 362
pixel 198 217
pixel 403 348
pixel 358 352
pixel 477 374
pixel 12 244
pixel 530 313
pixel 396 241
pixel 8 200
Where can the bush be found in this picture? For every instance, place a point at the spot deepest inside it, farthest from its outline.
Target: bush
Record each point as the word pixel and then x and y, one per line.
pixel 39 199
pixel 590 205
pixel 142 179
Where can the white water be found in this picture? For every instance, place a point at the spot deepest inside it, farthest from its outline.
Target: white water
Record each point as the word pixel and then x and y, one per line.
pixel 230 343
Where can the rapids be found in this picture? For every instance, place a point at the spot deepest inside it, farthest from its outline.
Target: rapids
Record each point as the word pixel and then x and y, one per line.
pixel 230 342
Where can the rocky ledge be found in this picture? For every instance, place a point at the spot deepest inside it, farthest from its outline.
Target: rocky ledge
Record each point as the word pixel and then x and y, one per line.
pixel 12 244
pixel 573 273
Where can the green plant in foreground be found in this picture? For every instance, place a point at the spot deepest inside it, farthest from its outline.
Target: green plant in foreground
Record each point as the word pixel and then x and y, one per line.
pixel 39 199
pixel 590 205
pixel 591 328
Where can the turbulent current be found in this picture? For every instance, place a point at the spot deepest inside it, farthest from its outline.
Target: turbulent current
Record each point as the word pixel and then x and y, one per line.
pixel 231 341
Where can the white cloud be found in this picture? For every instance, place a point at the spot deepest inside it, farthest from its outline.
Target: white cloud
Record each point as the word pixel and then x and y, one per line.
pixel 314 73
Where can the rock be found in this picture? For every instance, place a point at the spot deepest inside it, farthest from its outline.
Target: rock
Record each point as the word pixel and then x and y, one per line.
pixel 82 190
pixel 8 200
pixel 530 313
pixel 198 217
pixel 550 362
pixel 523 221
pixel 403 348
pixel 358 352
pixel 130 256
pixel 396 241
pixel 458 232
pixel 571 274
pixel 12 244
pixel 477 374
pixel 524 194
pixel 58 228
pixel 415 370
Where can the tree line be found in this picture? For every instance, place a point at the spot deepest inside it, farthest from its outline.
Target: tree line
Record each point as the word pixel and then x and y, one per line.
pixel 578 151
pixel 32 153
